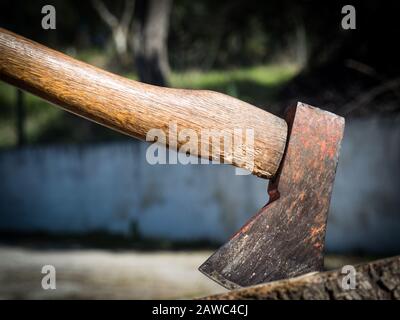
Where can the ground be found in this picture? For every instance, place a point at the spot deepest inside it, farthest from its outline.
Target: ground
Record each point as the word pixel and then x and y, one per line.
pixel 102 274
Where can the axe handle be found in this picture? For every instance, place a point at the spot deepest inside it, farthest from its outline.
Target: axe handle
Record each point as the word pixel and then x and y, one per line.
pixel 134 108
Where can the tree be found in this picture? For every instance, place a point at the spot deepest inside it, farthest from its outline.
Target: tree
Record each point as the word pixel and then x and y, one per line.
pixel 20 118
pixel 150 41
pixel 120 27
pixel 143 29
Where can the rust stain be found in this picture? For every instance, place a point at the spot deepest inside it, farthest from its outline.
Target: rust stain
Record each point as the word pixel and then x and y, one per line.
pixel 317 245
pixel 286 237
pixel 315 231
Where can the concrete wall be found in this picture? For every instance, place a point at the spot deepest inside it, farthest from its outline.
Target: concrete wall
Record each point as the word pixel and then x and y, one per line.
pixel 111 186
pixel 365 207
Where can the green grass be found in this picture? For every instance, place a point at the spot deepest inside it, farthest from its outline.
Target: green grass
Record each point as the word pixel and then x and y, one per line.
pixel 257 85
pixel 264 75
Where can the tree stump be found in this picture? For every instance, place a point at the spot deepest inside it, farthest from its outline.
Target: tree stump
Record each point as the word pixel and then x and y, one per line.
pixel 374 280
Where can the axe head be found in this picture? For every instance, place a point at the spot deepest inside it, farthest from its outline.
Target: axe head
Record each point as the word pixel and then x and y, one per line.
pixel 286 237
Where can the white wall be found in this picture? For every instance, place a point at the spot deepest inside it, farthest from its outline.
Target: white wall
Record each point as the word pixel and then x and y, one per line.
pixel 108 186
pixel 365 207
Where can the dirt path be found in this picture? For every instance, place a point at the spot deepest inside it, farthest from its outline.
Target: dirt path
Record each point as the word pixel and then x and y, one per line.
pixel 99 274
pixel 102 274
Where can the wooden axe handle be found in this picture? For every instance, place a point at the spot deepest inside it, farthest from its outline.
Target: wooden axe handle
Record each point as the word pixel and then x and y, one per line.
pixel 134 108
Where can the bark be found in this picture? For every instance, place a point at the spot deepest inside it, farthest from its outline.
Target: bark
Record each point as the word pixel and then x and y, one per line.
pixel 375 280
pixel 150 41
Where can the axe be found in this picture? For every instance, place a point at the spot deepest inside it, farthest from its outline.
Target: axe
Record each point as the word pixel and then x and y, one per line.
pixel 298 153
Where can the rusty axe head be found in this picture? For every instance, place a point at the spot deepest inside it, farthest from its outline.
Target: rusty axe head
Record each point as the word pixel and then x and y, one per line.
pixel 286 237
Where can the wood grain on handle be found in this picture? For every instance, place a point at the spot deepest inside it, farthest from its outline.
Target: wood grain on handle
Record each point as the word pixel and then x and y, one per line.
pixel 134 108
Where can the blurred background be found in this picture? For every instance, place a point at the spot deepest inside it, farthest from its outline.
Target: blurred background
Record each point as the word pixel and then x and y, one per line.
pixel 83 198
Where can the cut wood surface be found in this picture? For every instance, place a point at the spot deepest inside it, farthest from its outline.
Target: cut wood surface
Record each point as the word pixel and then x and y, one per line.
pixel 134 108
pixel 375 280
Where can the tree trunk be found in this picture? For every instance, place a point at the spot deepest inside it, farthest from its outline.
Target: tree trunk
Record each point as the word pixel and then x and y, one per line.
pixel 150 41
pixel 375 280
pixel 20 118
pixel 119 26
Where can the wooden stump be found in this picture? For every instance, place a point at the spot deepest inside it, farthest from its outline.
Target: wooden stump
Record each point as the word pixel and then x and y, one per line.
pixel 375 280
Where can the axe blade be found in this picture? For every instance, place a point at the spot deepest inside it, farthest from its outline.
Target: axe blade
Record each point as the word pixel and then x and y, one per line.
pixel 286 237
